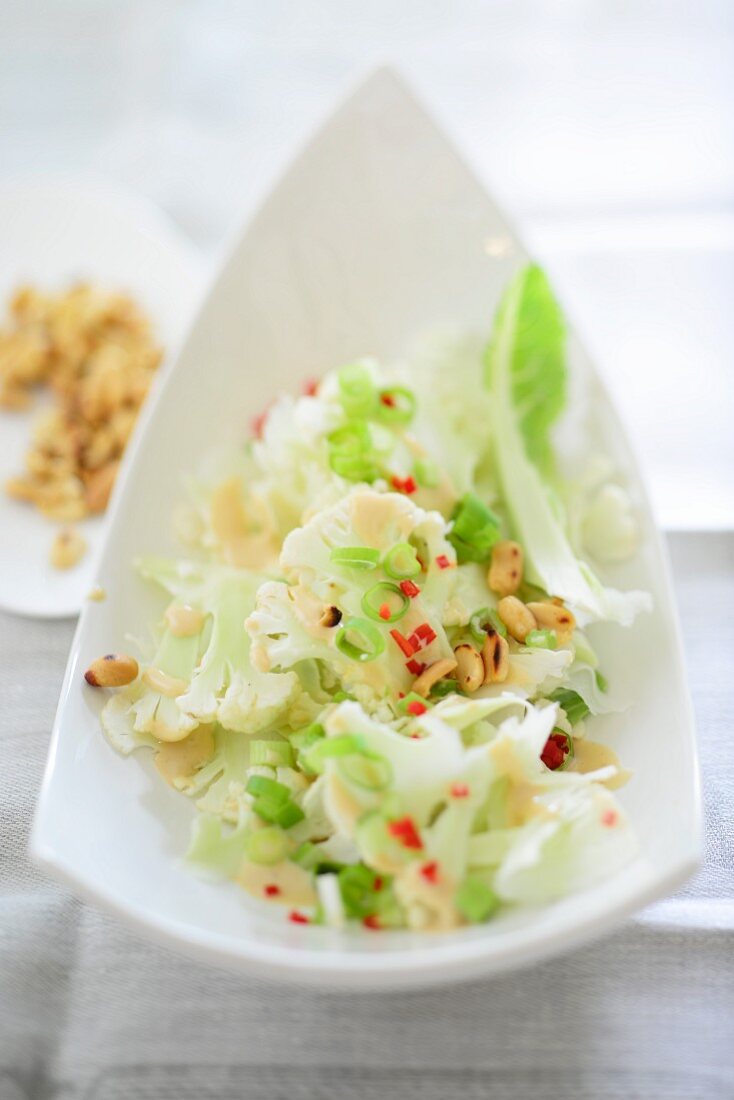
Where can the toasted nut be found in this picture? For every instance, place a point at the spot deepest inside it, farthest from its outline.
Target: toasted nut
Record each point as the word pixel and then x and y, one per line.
pixel 97 594
pixel 100 486
pixel 431 675
pixel 496 658
pixel 469 668
pixel 516 617
pixel 505 572
pixel 551 616
pixel 183 620
pixel 67 548
pixel 112 671
pixel 332 616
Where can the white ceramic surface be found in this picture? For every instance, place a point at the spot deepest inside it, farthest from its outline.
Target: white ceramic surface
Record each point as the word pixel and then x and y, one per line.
pixel 52 233
pixel 375 234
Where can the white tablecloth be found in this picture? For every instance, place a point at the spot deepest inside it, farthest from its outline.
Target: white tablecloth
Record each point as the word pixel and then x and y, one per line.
pixel 90 1011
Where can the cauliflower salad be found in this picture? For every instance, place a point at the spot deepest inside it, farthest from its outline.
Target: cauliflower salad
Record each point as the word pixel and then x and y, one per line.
pixel 372 677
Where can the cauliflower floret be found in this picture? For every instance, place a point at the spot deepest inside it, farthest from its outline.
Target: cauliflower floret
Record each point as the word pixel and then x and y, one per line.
pixel 289 623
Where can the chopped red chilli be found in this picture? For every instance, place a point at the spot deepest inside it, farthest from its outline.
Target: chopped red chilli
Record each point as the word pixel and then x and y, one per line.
pixel 384 611
pixel 459 790
pixel 443 562
pixel 298 918
pixel 415 667
pixel 372 922
pixel 388 399
pixel 377 884
pixel 405 831
pixel 271 890
pixel 405 485
pixel 400 640
pixel 555 751
pixel 310 387
pixel 430 872
pixel 416 708
pixel 609 818
pixel 257 424
pixel 422 636
pixel 410 589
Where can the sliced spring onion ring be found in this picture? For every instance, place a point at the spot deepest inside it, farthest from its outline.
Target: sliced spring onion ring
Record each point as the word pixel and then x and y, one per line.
pixel 267 846
pixel 356 557
pixel 381 595
pixel 541 639
pixel 475 529
pixel 426 473
pixel 274 754
pixel 484 619
pixel 345 744
pixel 401 562
pixel 395 405
pixel 357 391
pixel 475 900
pixel 366 769
pixel 370 643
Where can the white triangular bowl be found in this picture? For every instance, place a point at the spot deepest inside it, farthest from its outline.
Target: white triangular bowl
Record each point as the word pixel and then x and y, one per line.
pixel 376 233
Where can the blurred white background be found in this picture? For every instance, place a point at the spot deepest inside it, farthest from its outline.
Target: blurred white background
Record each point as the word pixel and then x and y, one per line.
pixel 603 126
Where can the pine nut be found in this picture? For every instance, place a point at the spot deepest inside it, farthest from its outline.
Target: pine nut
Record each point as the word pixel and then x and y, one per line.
pixel 518 619
pixel 112 671
pixel 67 549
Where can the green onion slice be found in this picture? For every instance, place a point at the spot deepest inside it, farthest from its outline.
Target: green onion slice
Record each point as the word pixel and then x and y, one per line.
pixel 357 390
pixel 484 619
pixel 571 702
pixel 475 529
pixel 274 754
pixel 541 639
pixel 426 473
pixel 360 640
pixel 475 900
pixel 356 557
pixel 381 595
pixel 366 769
pixel 396 405
pixel 262 787
pixel 344 744
pixel 267 846
pixel 401 562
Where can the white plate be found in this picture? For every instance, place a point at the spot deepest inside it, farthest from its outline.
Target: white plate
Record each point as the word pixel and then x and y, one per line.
pixel 376 233
pixel 52 233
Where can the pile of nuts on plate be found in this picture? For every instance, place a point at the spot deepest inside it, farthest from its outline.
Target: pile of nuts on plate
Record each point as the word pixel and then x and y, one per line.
pixel 95 351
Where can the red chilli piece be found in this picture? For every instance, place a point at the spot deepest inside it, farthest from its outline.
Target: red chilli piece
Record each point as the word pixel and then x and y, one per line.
pixel 609 818
pixel 404 643
pixel 443 562
pixel 410 589
pixel 257 424
pixel 298 918
pixel 416 736
pixel 310 387
pixel 384 611
pixel 271 890
pixel 388 399
pixel 416 708
pixel 555 751
pixel 426 633
pixel 405 832
pixel 415 667
pixel 378 884
pixel 459 790
pixel 405 485
pixel 430 872
pixel 372 922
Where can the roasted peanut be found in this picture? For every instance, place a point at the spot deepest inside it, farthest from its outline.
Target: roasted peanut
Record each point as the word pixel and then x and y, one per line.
pixel 332 616
pixel 469 668
pixel 431 675
pixel 111 671
pixel 552 616
pixel 100 486
pixel 67 548
pixel 518 619
pixel 505 571
pixel 495 657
